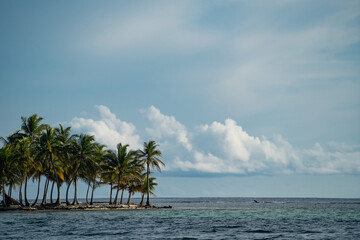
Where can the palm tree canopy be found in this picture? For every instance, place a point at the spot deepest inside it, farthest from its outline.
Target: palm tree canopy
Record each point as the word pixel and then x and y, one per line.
pixel 38 149
pixel 83 149
pixel 150 155
pixel 49 149
pixel 8 166
pixel 152 184
pixel 122 160
pixel 12 138
pixel 31 126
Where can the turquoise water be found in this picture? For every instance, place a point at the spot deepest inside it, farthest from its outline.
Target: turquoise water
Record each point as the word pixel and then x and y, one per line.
pixel 195 218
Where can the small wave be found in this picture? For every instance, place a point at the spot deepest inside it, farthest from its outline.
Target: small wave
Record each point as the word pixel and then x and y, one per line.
pixel 232 226
pixel 309 231
pixel 259 231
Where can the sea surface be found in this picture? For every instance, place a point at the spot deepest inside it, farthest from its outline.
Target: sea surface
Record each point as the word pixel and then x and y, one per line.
pixel 195 218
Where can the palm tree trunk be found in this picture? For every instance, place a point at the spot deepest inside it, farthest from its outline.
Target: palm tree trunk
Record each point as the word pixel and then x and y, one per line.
pixel 51 192
pixel 148 184
pixel 37 195
pixel 129 199
pixel 92 193
pixel 87 193
pixel 25 192
pixel 122 196
pixel 142 199
pixel 45 190
pixel 57 180
pixel 67 193
pixel 116 196
pixel 111 184
pixel 68 187
pixel 117 191
pixel 20 195
pixel 59 197
pixel 4 195
pixel 76 199
pixel 75 202
pixel 75 192
pixel 10 190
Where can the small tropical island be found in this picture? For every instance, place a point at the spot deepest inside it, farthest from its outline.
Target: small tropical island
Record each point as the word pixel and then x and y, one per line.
pixel 38 151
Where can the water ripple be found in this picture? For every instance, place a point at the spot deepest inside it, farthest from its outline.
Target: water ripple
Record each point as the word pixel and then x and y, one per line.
pixel 236 219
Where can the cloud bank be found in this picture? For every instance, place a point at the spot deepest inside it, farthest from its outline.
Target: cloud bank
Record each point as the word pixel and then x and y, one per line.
pixel 108 129
pixel 223 148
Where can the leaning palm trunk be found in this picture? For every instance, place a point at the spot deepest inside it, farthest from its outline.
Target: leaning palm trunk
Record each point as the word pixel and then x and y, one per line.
pixel 87 193
pixel 67 193
pixel 25 193
pixel 92 193
pixel 111 185
pixel 10 190
pixel 20 195
pixel 117 191
pixel 148 184
pixel 129 199
pixel 45 190
pixel 122 196
pixel 68 187
pixel 142 199
pixel 57 181
pixel 37 195
pixel 75 202
pixel 116 196
pixel 51 192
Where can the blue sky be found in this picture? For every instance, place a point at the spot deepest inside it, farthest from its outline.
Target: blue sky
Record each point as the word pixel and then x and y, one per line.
pixel 256 98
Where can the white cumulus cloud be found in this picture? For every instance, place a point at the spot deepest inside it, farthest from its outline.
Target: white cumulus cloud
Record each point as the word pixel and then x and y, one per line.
pixel 167 126
pixel 108 129
pixel 331 158
pixel 221 148
pixel 235 151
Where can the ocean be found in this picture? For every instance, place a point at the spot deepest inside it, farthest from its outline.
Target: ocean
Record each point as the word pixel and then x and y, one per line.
pixel 195 218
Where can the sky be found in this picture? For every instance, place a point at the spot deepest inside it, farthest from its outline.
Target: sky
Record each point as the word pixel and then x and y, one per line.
pixel 244 98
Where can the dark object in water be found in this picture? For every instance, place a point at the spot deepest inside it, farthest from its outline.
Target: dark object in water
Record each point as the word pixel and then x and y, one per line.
pixel 167 206
pixel 256 201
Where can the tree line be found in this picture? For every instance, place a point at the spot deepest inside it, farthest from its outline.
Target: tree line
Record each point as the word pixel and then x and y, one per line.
pixel 38 150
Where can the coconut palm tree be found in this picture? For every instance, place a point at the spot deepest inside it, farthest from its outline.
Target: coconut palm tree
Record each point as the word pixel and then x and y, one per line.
pixel 12 138
pixel 93 169
pixel 49 149
pixel 100 156
pixel 108 175
pixel 150 156
pixel 132 186
pixel 83 149
pixel 142 188
pixel 37 176
pixel 11 142
pixel 123 162
pixel 31 128
pixel 22 154
pixel 39 150
pixel 8 171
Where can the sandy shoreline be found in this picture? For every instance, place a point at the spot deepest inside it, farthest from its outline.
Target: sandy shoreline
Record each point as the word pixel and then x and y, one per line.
pixel 64 207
